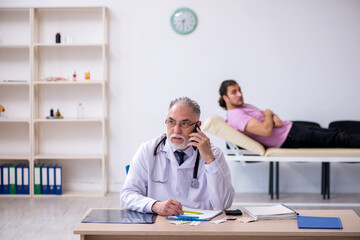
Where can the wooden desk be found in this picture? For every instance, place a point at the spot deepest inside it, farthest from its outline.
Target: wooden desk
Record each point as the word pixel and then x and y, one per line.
pixel 264 229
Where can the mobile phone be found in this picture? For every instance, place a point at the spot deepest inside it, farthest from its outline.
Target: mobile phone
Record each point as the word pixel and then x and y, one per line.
pixel 233 212
pixel 195 130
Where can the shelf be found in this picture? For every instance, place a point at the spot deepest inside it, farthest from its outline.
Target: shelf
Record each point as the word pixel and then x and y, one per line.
pixel 27 84
pixel 14 120
pixel 28 52
pixel 72 194
pixel 15 195
pixel 60 45
pixel 68 120
pixel 15 46
pixel 81 82
pixel 68 156
pixel 71 7
pixel 14 156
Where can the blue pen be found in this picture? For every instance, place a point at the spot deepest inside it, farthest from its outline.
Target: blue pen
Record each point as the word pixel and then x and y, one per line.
pixel 187 218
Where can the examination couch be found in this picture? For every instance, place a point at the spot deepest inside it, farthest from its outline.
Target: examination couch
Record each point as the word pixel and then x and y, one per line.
pixel 245 148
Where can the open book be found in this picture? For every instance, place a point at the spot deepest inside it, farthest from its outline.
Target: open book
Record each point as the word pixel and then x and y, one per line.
pixel 191 214
pixel 279 211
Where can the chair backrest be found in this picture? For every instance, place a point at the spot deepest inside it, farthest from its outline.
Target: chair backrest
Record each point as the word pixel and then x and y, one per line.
pixel 217 126
pixel 349 127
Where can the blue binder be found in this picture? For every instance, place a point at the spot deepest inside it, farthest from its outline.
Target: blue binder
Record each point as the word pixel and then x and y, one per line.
pixel 1 180
pixel 58 180
pixel 26 180
pixel 6 189
pixel 44 180
pixel 51 177
pixel 19 180
pixel 319 222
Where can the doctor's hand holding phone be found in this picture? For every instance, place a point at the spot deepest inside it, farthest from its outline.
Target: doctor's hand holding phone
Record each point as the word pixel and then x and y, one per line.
pixel 201 142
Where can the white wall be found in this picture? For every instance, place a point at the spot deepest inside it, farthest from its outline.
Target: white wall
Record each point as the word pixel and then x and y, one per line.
pixel 300 58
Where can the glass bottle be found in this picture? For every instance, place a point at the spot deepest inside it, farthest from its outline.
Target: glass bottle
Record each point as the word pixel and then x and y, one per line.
pixel 80 111
pixel 57 38
pixel 74 76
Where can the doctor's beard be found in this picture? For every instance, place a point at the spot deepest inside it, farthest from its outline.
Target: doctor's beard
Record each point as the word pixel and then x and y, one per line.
pixel 181 146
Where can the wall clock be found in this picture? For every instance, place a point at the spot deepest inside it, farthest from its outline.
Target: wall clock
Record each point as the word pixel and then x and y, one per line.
pixel 183 21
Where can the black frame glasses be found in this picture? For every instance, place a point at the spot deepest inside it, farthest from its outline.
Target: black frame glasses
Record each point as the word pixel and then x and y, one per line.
pixel 182 124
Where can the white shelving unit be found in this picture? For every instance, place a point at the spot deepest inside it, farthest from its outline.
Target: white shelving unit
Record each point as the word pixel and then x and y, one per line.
pixel 15 65
pixel 70 142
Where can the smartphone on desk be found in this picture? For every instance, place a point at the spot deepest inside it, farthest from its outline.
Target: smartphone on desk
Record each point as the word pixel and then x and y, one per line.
pixel 236 212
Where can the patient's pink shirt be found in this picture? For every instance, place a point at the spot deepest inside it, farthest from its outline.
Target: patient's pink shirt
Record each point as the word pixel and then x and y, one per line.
pixel 239 117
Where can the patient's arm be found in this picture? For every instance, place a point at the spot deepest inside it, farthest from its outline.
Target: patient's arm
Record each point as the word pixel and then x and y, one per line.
pixel 264 128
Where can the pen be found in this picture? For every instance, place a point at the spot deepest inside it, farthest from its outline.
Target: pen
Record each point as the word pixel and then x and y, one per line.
pixel 185 211
pixel 186 218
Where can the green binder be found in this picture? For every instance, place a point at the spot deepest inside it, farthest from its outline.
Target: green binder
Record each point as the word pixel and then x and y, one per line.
pixel 12 180
pixel 37 180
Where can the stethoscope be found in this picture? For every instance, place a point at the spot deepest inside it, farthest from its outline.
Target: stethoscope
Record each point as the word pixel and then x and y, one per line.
pixel 194 182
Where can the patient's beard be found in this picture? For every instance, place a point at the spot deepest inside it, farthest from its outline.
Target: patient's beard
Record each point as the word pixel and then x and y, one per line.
pixel 237 105
pixel 181 146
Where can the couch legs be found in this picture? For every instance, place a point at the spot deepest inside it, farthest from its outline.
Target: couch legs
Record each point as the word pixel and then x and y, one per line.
pixel 325 180
pixel 271 179
pixel 277 179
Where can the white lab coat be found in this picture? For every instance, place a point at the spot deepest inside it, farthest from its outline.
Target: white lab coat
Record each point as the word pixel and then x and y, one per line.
pixel 142 187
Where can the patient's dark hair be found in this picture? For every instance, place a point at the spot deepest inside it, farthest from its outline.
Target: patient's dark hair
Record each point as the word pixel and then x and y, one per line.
pixel 223 91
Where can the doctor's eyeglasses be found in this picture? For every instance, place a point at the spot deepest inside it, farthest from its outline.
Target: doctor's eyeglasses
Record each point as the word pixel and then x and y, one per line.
pixel 182 124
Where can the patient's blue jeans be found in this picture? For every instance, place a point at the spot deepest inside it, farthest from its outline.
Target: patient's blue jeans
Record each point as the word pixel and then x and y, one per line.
pixel 303 136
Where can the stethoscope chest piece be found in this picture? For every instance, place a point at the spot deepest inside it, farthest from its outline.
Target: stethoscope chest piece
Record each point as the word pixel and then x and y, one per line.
pixel 194 183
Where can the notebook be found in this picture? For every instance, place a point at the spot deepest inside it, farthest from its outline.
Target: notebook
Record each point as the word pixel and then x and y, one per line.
pixel 279 211
pixel 319 222
pixel 123 216
pixel 199 215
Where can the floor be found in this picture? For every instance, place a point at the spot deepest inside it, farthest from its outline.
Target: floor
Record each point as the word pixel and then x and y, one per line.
pixel 56 218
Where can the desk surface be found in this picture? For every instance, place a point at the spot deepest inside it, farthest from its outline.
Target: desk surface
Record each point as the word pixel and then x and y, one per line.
pixel 270 229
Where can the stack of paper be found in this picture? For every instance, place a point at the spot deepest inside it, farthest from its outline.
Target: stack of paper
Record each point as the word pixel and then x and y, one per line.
pixel 279 211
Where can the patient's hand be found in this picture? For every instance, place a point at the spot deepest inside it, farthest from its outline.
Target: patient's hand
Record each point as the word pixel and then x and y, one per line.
pixel 277 121
pixel 169 207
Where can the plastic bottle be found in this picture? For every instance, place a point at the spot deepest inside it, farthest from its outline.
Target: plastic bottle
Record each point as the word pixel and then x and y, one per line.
pixel 57 38
pixel 58 114
pixel 87 76
pixel 80 112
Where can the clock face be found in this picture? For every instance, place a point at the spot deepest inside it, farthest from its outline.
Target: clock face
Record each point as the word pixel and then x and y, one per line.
pixel 183 21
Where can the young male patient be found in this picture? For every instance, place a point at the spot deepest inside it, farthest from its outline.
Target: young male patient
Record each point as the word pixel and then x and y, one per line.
pixel 268 129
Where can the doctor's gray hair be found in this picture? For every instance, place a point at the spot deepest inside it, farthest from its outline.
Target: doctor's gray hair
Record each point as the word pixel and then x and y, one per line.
pixel 185 101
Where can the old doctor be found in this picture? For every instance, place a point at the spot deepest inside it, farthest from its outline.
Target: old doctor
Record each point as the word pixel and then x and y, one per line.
pixel 179 168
